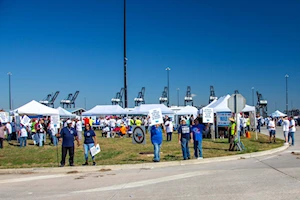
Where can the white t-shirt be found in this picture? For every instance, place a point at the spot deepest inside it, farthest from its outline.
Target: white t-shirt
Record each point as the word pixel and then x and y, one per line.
pixel 292 123
pixel 286 125
pixel 112 123
pixel 271 125
pixel 79 126
pixel 102 122
pixel 169 128
pixel 23 132
pixel 73 124
pixel 9 128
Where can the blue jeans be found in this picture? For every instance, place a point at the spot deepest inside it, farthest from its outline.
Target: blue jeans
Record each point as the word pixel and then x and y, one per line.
pixel 198 149
pixel 54 140
pixel 87 151
pixel 291 135
pixel 156 151
pixel 8 137
pixel 185 148
pixel 23 141
pixel 41 139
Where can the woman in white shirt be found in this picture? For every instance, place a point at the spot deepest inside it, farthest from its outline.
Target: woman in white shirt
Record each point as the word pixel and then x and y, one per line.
pixel 272 129
pixel 292 130
pixel 23 134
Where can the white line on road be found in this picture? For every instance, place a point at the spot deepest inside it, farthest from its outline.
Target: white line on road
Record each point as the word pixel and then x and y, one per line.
pixel 16 180
pixel 144 183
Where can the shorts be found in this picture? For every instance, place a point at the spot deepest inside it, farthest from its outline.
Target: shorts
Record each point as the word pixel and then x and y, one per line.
pixel 272 133
pixel 285 133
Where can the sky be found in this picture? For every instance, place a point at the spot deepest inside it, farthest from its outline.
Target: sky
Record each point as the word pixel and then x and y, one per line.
pixel 75 45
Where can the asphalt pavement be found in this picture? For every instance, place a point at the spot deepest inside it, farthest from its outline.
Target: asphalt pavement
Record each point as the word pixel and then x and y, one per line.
pixel 271 176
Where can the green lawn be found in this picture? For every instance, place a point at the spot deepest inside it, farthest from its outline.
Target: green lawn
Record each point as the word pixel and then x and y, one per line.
pixel 122 151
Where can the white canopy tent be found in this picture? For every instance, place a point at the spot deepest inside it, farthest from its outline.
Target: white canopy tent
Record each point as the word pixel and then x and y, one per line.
pixel 105 110
pixel 221 105
pixel 143 109
pixel 277 113
pixel 188 110
pixel 36 108
pixel 63 113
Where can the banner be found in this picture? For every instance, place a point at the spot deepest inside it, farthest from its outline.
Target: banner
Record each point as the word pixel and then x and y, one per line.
pixel 55 121
pixel 95 150
pixel 4 117
pixel 156 116
pixel 223 119
pixel 25 120
pixel 208 115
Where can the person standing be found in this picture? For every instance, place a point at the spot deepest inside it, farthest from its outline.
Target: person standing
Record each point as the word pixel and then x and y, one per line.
pixel 184 135
pixel 2 134
pixel 156 139
pixel 169 128
pixel 41 132
pixel 272 129
pixel 90 140
pixel 292 130
pixel 23 134
pixel 197 131
pixel 8 131
pixel 286 128
pixel 232 133
pixel 79 128
pixel 68 134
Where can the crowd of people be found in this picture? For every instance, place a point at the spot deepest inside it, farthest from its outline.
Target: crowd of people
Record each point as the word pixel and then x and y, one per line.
pixel 190 130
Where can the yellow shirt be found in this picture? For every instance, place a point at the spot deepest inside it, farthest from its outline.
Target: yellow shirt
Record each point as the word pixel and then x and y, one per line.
pixel 138 122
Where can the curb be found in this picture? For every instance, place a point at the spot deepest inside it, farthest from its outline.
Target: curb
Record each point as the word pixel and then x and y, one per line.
pixel 81 169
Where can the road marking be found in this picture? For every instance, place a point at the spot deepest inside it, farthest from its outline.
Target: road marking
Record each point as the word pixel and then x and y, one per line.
pixel 144 183
pixel 17 180
pixel 266 158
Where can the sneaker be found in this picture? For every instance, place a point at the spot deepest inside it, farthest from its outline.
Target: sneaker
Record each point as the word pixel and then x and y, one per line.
pixel 61 165
pixel 85 164
pixel 94 163
pixel 200 158
pixel 72 165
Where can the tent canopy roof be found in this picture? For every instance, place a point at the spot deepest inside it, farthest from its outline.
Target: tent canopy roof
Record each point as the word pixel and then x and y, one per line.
pixel 105 110
pixel 64 113
pixel 35 108
pixel 277 113
pixel 188 110
pixel 143 109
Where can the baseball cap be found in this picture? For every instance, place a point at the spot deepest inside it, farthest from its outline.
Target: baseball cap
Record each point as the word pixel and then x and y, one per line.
pixel 69 121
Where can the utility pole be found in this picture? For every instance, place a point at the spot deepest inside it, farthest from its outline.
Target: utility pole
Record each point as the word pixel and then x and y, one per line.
pixel 125 60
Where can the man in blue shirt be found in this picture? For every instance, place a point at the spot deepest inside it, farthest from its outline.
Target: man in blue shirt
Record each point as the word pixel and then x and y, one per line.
pixel 156 139
pixel 184 135
pixel 68 134
pixel 197 131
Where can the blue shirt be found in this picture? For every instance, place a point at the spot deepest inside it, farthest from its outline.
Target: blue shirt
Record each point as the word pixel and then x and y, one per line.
pixel 197 131
pixel 88 137
pixel 68 135
pixel 185 131
pixel 156 135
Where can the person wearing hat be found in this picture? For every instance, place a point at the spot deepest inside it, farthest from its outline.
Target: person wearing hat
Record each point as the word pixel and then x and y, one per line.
pixel 232 133
pixel 68 134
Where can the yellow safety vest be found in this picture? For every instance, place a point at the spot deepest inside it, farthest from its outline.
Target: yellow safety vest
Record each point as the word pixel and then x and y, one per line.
pixel 233 125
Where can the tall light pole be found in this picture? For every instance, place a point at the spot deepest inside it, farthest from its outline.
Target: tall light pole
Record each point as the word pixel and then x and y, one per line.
pixel 252 96
pixel 9 90
pixel 178 97
pixel 125 60
pixel 286 90
pixel 168 70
